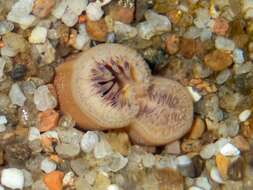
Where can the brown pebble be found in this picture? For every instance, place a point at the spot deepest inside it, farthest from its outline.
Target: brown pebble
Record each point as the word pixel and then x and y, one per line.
pixel 190 47
pixel 221 26
pixel 198 128
pixel 97 30
pixel 218 60
pixel 172 44
pixel 235 170
pixel 191 145
pixel 241 143
pixel 170 180
pixel 173 148
pixel 119 142
pixel 122 14
pixel 42 8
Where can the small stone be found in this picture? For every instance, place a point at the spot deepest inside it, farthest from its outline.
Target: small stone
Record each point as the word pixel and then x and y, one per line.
pixel 39 185
pixel 94 11
pixel 195 188
pixel 16 95
pixel 12 178
pixel 42 8
pixel 148 160
pixel 122 14
pixel 97 30
pixel 5 27
pixel 183 160
pixel 102 181
pixel 222 163
pixel 198 165
pixel 218 60
pixel 119 142
pixel 173 148
pixel 47 165
pixel 189 47
pixel 68 179
pixel 8 51
pixel 225 44
pixel 69 17
pixel 117 162
pixel 27 178
pixel 53 180
pixel 77 6
pixel 244 115
pixel 195 94
pixel 38 35
pixel 208 151
pixel 79 166
pixel 34 134
pixel 221 26
pixel 89 141
pixel 18 72
pixel 191 145
pixel 241 143
pixel 223 76
pixel 113 187
pixel 67 150
pixel 203 183
pixel 2 65
pixel 124 31
pixel 70 135
pixel 238 56
pixel 59 9
pixel 172 44
pixel 3 119
pixel 229 150
pixel 197 129
pixel 102 149
pixel 236 169
pixel 46 52
pixel 43 99
pixel 156 24
pixel 48 120
pixel 215 175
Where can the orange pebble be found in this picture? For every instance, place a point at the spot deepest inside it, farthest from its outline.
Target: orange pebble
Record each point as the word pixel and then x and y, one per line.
pixel 1 44
pixel 48 120
pixel 53 180
pixel 82 19
pixel 221 26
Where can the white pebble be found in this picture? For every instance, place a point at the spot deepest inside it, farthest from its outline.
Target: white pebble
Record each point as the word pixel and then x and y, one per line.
pixel 229 150
pixel 43 99
pixel 195 188
pixel 77 6
pixel 238 56
pixel 244 115
pixel 208 151
pixel 8 51
pixel 215 175
pixel 94 11
pixel 12 178
pixel 224 43
pixel 34 134
pixel 113 187
pixel 195 95
pixel 38 35
pixel 2 64
pixel 16 95
pixel 59 9
pixel 68 179
pixel 183 160
pixel 3 119
pixel 89 141
pixel 69 18
pixel 203 183
pixel 102 149
pixel 2 128
pixel 47 165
